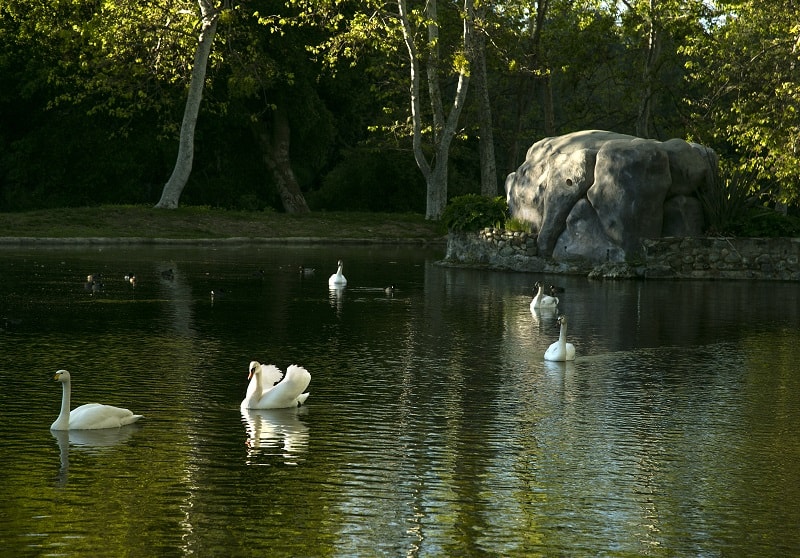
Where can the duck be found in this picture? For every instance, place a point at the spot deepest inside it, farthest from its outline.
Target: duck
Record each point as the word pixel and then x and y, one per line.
pixel 542 300
pixel 91 416
pixel 306 271
pixel 94 283
pixel 554 290
pixel 269 388
pixel 389 290
pixel 561 351
pixel 337 279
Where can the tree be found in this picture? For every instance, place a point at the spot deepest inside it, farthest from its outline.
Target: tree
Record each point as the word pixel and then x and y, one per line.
pixel 530 70
pixel 170 196
pixel 485 122
pixel 656 31
pixel 746 73
pixel 435 61
pixel 272 81
pixel 444 126
pixel 91 92
pixel 274 142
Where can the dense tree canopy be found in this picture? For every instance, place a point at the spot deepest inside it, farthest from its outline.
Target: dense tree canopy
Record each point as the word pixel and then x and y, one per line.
pixel 374 105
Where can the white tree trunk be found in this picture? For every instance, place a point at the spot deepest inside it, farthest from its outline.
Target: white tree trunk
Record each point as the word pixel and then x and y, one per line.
pixel 173 189
pixel 444 129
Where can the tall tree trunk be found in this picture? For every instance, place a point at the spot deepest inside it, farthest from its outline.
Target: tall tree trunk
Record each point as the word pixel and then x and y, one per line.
pixel 274 145
pixel 444 128
pixel 171 194
pixel 549 109
pixel 527 85
pixel 485 128
pixel 651 63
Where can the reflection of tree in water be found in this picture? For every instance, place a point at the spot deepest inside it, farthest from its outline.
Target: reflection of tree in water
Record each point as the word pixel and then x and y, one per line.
pixel 178 295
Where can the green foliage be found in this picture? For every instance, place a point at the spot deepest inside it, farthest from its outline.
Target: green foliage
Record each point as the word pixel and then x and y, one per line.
pixel 93 93
pixel 516 224
pixel 730 208
pixel 762 222
pixel 743 89
pixel 371 180
pixel 472 212
pixel 725 200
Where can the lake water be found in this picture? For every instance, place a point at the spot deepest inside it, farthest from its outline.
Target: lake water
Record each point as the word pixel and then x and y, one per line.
pixel 434 426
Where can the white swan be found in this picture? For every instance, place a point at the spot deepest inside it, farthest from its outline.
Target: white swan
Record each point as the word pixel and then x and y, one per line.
pixel 91 416
pixel 561 351
pixel 337 279
pixel 542 300
pixel 270 389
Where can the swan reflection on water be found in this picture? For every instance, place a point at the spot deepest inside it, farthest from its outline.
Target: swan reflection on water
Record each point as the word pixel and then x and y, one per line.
pixel 559 368
pixel 336 297
pixel 90 441
pixel 275 432
pixel 545 317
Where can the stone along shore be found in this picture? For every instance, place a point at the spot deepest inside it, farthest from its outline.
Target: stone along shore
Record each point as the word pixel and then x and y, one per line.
pixel 664 258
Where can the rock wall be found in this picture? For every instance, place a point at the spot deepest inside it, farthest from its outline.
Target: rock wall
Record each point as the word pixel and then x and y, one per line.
pixel 499 249
pixel 723 258
pixel 662 258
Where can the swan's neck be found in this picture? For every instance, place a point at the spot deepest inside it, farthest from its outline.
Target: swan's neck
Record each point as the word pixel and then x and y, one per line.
pixel 562 336
pixel 339 271
pixel 62 422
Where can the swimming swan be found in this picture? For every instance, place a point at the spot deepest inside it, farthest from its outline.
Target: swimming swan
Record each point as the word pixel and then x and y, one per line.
pixel 561 351
pixel 91 416
pixel 542 300
pixel 270 389
pixel 337 279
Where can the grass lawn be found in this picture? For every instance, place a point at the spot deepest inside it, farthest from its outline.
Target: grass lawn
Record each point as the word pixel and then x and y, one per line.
pixel 118 221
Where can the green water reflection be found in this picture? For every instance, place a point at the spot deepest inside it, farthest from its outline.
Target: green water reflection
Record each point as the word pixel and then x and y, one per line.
pixel 434 427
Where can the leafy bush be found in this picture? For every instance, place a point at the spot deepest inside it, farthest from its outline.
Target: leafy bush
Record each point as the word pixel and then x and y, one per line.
pixel 730 208
pixel 762 222
pixel 725 201
pixel 472 212
pixel 372 180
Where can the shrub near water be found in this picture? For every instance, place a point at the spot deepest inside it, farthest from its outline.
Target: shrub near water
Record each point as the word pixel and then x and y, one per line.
pixel 473 212
pixel 730 208
pixel 725 201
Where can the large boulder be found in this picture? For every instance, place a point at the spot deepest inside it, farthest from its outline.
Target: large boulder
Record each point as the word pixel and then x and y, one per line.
pixel 595 195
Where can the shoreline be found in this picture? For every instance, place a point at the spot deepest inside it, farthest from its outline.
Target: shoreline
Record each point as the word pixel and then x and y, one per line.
pixel 30 241
pixel 669 258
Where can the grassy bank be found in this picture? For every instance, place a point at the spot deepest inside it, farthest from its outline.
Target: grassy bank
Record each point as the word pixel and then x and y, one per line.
pixel 202 222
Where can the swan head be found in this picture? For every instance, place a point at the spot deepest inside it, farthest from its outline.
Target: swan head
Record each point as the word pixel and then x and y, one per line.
pixel 62 376
pixel 562 319
pixel 255 367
